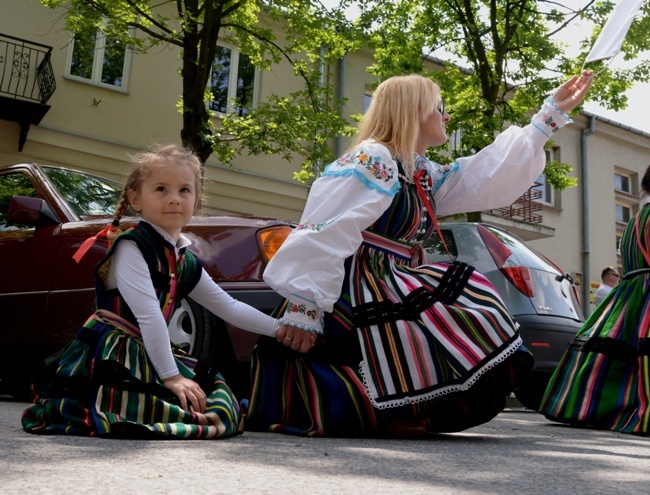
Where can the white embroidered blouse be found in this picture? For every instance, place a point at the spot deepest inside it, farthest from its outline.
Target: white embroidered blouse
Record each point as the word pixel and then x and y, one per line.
pixel 355 190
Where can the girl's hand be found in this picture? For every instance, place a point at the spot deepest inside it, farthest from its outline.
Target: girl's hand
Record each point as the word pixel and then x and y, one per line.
pixel 296 338
pixel 571 93
pixel 187 391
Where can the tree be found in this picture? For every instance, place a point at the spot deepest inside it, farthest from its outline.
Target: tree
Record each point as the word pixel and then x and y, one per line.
pixel 498 58
pixel 300 123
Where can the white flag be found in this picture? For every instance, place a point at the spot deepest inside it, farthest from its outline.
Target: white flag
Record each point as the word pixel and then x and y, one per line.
pixel 611 37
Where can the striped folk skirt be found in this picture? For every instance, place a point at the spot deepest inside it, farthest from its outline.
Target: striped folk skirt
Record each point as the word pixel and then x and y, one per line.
pixel 603 379
pixel 431 345
pixel 103 384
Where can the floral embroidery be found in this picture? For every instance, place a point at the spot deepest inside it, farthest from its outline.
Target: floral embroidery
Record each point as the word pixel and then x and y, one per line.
pixel 302 309
pixel 548 120
pixel 372 164
pixel 315 226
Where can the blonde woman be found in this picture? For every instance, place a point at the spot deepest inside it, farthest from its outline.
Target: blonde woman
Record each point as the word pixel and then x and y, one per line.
pixel 401 348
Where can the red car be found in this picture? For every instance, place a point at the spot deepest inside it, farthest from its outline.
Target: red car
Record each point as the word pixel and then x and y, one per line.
pixel 45 296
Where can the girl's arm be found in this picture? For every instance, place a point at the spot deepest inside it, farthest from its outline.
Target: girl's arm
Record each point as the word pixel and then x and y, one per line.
pixel 209 295
pixel 130 274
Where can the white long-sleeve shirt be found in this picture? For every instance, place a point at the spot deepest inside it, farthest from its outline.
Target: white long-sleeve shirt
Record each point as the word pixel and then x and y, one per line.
pixel 129 273
pixel 355 190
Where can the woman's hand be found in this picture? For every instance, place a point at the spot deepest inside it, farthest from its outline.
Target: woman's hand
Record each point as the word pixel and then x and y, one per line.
pixel 571 93
pixel 188 391
pixel 296 338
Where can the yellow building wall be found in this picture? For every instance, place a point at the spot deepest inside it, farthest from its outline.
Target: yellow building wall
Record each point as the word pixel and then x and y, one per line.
pixel 96 129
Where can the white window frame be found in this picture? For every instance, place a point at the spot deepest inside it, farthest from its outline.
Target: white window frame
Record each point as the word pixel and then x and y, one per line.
pixel 98 65
pixel 232 81
pixel 626 207
pixel 626 178
pixel 548 192
pixel 546 189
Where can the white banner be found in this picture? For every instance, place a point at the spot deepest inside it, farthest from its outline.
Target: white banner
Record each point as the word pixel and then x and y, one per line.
pixel 611 37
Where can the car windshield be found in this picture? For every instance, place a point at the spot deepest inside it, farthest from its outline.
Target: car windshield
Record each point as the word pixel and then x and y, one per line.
pixel 86 195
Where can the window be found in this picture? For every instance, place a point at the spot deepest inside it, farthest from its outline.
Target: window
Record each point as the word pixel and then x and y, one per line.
pixel 233 81
pixel 367 99
pixel 98 59
pixel 543 186
pixel 623 213
pixel 622 183
pixel 13 184
pixel 85 194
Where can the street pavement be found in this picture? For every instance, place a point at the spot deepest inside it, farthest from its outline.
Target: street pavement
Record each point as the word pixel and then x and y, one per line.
pixel 517 452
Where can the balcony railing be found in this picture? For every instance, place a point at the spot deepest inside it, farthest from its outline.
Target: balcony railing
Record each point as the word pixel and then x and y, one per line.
pixel 524 208
pixel 25 70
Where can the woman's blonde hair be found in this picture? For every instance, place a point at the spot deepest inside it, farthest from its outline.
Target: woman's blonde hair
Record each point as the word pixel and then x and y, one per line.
pixel 394 113
pixel 143 163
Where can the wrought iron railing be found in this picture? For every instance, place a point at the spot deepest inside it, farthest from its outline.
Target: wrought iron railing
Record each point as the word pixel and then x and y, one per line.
pixel 25 70
pixel 524 208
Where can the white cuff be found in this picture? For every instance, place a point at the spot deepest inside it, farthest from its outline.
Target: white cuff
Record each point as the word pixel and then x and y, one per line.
pixel 303 314
pixel 550 118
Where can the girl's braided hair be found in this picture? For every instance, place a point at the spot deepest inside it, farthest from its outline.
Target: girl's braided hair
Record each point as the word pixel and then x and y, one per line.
pixel 144 162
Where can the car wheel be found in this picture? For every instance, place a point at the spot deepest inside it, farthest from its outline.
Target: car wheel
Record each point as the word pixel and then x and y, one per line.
pixel 206 337
pixel 530 394
pixel 191 327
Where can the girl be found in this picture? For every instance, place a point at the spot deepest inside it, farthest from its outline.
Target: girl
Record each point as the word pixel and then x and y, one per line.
pixel 120 376
pixel 403 348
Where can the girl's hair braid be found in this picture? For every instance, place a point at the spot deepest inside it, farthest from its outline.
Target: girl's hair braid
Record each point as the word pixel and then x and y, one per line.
pixel 121 208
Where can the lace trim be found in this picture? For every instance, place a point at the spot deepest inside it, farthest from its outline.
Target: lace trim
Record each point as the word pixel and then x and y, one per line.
pixel 302 326
pixel 509 351
pixel 551 102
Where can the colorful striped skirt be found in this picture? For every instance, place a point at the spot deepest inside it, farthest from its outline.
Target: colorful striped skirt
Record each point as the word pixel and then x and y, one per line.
pixel 103 384
pixel 403 345
pixel 603 379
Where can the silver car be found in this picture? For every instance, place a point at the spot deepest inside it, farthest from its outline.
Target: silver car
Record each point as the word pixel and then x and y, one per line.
pixel 541 297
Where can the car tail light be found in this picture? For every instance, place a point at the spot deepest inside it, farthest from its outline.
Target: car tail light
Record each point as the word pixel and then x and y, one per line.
pixel 271 239
pixel 519 276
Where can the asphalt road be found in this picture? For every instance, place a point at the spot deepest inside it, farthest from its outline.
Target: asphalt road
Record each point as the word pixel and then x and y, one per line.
pixel 518 452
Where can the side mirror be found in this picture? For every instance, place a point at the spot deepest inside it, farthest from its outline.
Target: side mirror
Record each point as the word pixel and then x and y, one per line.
pixel 32 212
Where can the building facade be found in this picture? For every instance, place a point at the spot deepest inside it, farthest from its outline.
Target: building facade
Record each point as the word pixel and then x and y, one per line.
pixel 106 107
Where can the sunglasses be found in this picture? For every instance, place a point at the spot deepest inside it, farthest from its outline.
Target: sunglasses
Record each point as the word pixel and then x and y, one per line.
pixel 441 106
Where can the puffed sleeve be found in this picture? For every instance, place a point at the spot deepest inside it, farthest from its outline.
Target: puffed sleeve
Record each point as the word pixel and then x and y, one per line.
pixel 501 172
pixel 308 270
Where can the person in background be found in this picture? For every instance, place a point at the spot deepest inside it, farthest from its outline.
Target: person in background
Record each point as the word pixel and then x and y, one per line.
pixel 121 377
pixel 402 348
pixel 609 278
pixel 603 379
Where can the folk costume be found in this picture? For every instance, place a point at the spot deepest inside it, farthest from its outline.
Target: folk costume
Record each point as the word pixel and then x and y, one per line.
pixel 400 340
pixel 105 383
pixel 603 379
